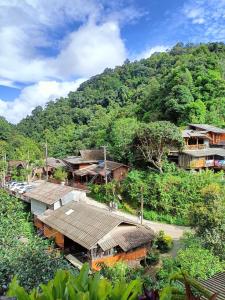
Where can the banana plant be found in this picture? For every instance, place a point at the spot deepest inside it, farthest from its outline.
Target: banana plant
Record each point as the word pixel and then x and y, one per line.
pixel 65 286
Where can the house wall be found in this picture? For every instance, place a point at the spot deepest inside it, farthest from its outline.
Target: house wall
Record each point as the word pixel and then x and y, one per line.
pixel 120 173
pixel 57 236
pixel 37 208
pixel 81 166
pixel 38 223
pixel 137 254
pixel 56 205
pixel 76 195
pixel 188 162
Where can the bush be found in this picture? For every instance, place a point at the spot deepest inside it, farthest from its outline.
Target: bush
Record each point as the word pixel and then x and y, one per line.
pixel 163 242
pixel 66 286
pixel 60 174
pixel 152 257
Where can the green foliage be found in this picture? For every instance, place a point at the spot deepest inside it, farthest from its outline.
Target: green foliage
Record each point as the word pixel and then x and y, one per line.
pixel 199 262
pixel 83 287
pixel 22 253
pixel 60 174
pixel 163 242
pixel 185 84
pixel 152 257
pixel 154 140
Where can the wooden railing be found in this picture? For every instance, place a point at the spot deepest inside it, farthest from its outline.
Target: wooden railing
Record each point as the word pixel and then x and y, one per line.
pixel 196 147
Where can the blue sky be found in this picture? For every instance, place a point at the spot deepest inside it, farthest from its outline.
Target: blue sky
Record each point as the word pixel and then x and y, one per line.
pixel 49 47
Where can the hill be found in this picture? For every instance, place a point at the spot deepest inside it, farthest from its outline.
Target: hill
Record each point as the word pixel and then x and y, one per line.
pixel 185 84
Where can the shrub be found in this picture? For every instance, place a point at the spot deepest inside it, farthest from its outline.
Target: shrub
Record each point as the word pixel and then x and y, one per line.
pixel 152 257
pixel 60 174
pixel 163 242
pixel 65 286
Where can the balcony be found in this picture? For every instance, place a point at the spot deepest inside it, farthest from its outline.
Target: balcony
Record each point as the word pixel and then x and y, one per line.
pixel 196 147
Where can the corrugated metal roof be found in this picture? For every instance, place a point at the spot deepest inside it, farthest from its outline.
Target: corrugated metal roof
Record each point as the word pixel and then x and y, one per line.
pixel 99 169
pixel 49 193
pixel 55 162
pixel 127 237
pixel 205 152
pixel 208 128
pixel 188 133
pixel 85 224
pixel 215 284
pixel 92 154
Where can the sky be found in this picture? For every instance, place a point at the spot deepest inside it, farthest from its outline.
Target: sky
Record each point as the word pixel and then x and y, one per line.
pixel 49 47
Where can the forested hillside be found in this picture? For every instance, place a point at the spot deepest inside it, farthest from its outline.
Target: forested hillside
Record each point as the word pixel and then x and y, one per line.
pixel 186 84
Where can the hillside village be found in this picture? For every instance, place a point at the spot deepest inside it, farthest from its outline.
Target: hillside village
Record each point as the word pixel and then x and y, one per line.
pixel 120 183
pixel 88 231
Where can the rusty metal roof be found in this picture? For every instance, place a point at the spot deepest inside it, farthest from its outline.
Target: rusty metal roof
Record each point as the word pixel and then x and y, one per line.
pixel 86 224
pixel 99 168
pixel 127 237
pixel 49 193
pixel 215 284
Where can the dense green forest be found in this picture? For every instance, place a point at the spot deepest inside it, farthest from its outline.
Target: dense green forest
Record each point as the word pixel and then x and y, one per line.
pixel 185 84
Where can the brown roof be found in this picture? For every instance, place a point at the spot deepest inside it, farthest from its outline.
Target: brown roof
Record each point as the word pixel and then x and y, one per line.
pixel 215 284
pixel 99 168
pixel 17 163
pixel 55 162
pixel 83 223
pixel 207 127
pixel 94 154
pixel 49 193
pixel 205 152
pixel 127 237
pixel 189 133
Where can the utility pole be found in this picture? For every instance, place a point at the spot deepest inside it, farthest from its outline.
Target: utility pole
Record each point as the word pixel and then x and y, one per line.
pixel 105 164
pixel 142 204
pixel 46 159
pixel 28 159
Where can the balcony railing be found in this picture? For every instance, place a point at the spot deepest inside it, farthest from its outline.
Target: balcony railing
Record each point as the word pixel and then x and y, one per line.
pixel 196 147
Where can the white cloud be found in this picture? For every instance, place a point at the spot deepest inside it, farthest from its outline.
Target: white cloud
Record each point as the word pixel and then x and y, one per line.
pixel 90 50
pixel 208 16
pixel 149 51
pixel 34 95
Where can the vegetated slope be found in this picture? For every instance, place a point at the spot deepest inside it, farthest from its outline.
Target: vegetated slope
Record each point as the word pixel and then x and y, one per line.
pixel 186 84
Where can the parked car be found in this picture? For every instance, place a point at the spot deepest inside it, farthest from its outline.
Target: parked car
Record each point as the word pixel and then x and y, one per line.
pixel 24 189
pixel 16 186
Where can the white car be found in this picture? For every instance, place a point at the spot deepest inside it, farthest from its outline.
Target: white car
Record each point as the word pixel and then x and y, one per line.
pixel 24 189
pixel 16 186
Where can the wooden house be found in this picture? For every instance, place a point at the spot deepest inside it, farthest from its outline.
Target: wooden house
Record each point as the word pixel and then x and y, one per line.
pixel 85 159
pixel 52 196
pixel 16 166
pixel 204 147
pixel 199 159
pixel 96 173
pixel 216 135
pixel 96 235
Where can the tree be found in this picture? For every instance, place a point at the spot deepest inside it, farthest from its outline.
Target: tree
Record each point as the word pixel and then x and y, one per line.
pixel 154 140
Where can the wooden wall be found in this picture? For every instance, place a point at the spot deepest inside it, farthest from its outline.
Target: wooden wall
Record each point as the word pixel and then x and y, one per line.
pixel 120 173
pixel 137 254
pixel 52 233
pixel 190 162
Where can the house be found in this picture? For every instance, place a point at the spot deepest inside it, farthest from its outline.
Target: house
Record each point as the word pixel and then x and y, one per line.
pixel 205 158
pixel 216 135
pixel 86 158
pixel 204 147
pixel 52 196
pixel 16 167
pixel 96 173
pixel 96 235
